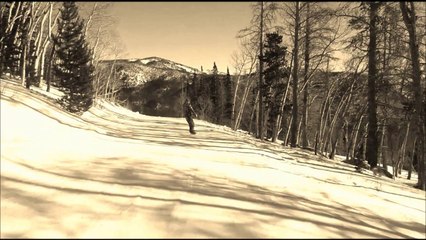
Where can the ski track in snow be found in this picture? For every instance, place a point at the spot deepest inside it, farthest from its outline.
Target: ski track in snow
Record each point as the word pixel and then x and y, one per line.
pixel 116 173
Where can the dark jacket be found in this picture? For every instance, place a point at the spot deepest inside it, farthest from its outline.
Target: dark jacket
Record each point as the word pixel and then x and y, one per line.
pixel 188 110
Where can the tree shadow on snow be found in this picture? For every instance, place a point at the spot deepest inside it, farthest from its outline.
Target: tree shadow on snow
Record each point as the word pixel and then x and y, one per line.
pixel 270 207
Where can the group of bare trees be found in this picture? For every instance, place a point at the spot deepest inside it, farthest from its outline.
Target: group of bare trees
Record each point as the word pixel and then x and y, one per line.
pixel 26 35
pixel 356 112
pixel 27 48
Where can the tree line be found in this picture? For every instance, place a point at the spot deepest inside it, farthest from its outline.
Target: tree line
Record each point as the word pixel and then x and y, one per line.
pixel 58 44
pixel 373 111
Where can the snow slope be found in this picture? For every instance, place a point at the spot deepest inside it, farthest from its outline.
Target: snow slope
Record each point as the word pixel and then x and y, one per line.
pixel 164 63
pixel 115 173
pixel 139 71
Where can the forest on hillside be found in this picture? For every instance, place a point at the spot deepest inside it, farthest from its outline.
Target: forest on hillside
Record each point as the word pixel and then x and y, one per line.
pixel 284 87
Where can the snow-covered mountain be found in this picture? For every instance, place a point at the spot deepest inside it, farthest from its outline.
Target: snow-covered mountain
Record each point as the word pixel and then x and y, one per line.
pixel 161 63
pixel 139 71
pixel 152 85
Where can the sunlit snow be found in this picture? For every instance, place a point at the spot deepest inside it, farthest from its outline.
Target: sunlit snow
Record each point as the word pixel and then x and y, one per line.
pixel 116 173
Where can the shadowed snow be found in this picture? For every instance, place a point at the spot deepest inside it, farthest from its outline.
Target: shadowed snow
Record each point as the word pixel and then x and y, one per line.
pixel 116 173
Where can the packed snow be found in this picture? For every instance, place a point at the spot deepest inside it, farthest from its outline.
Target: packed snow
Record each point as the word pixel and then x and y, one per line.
pixel 115 173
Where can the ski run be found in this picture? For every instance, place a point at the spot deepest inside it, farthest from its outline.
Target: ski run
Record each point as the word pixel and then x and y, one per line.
pixel 116 173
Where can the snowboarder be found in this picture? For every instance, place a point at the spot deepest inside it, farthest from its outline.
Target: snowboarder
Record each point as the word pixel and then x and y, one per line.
pixel 189 112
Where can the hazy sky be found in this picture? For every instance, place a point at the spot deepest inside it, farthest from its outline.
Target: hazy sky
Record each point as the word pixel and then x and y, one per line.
pixel 192 33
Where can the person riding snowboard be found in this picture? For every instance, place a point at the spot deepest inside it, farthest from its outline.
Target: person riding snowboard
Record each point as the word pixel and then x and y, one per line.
pixel 189 112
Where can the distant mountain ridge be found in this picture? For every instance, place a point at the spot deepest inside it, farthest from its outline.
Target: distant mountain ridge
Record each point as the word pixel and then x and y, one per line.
pixel 138 71
pixel 153 85
pixel 162 63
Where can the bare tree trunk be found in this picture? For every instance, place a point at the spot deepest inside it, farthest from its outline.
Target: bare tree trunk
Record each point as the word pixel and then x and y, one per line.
pixel 95 47
pixel 320 131
pixel 277 125
pixel 327 122
pixel 244 100
pixel 243 103
pixel 287 135
pixel 46 43
pixel 234 100
pixel 109 80
pixel 413 152
pixel 365 142
pixel 283 102
pixel 305 91
pixel 372 145
pixel 260 132
pixel 409 17
pixel 298 130
pixel 401 159
pixel 24 45
pixel 255 111
pixel 338 120
pixel 13 18
pixel 394 148
pixel 51 60
pixel 23 63
pixel 354 138
pixel 39 50
pixel 295 77
pixel 345 135
pixel 380 154
pixel 318 137
pixel 89 19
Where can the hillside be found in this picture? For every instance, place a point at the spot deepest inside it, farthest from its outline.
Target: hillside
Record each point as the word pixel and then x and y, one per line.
pixel 116 173
pixel 139 71
pixel 152 86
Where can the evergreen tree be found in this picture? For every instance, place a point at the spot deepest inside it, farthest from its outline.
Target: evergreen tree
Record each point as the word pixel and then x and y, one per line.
pixel 221 98
pixel 228 92
pixel 204 103
pixel 9 48
pixel 372 139
pixel 30 68
pixel 273 86
pixel 73 66
pixel 187 88
pixel 194 86
pixel 214 92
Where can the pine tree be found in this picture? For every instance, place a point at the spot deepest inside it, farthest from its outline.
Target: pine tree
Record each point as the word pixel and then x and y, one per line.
pixel 372 138
pixel 9 46
pixel 228 94
pixel 204 104
pixel 73 66
pixel 273 86
pixel 30 69
pixel 194 86
pixel 214 92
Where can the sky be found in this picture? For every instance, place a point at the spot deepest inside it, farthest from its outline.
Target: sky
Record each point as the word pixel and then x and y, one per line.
pixel 192 33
